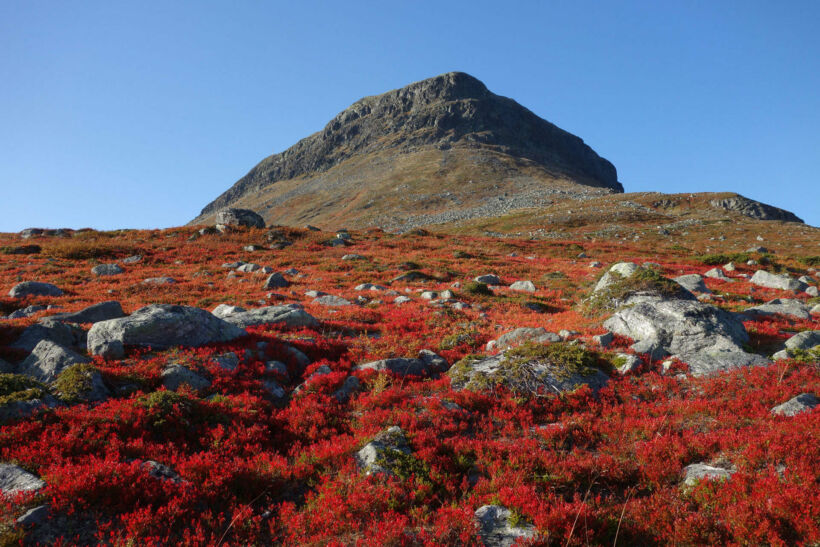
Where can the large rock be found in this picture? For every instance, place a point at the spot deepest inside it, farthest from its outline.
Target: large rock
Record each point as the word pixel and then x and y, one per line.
pixel 332 301
pixel 780 306
pixel 34 288
pixel 14 479
pixel 535 375
pixel 48 360
pixel 804 340
pixel 692 283
pixel 276 281
pixel 495 529
pixel 524 286
pixel 239 217
pixel 65 334
pixel 784 282
pixel 159 326
pixel 696 472
pixel 521 335
pixel 175 376
pixel 705 337
pixel 427 363
pixel 107 269
pixel 802 403
pixel 383 453
pixel 290 315
pixel 92 314
pixel 620 269
pixel 81 382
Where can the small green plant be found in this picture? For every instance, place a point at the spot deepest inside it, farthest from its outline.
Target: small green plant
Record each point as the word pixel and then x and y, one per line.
pixel 16 387
pixel 813 261
pixel 476 288
pixel 75 381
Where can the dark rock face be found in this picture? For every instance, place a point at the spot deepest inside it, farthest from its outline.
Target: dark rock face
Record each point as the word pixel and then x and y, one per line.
pixel 754 209
pixel 453 110
pixel 239 217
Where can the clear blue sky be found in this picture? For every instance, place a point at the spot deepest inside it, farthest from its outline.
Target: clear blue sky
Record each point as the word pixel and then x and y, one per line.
pixel 137 114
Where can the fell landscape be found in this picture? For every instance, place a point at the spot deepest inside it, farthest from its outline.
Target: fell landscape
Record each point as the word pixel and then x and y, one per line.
pixel 439 320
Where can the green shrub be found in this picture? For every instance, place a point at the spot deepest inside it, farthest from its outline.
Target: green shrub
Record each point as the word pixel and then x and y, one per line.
pixel 813 261
pixel 17 387
pixel 75 381
pixel 721 259
pixel 644 280
pixel 476 288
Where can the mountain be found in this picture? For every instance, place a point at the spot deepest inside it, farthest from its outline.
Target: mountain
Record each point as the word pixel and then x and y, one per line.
pixel 436 148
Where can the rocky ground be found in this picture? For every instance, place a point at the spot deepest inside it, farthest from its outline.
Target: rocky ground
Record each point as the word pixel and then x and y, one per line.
pixel 251 385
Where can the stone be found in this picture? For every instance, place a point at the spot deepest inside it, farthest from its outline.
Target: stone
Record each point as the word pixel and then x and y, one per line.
pixel 175 375
pixel 164 280
pixel 227 361
pixel 34 516
pixel 618 270
pixel 92 314
pixel 815 310
pixel 729 267
pixel 65 334
pixel 523 286
pixel 717 273
pixel 402 300
pixel 603 340
pixel 626 362
pixel 488 279
pixel 784 282
pixel 781 355
pixel 276 391
pixel 352 257
pixel 705 337
pixel 804 340
pixel 349 386
pixel 696 472
pixel 161 472
pixel 239 217
pixel 495 529
pixel 520 335
pixel 332 301
pixel 378 457
pixel 536 377
pixel 802 403
pixel 277 367
pixel 411 276
pixel 86 384
pixel 48 360
pixel 276 281
pixel 813 292
pixel 692 283
pixel 34 288
pixel 429 295
pixel 426 364
pixel 248 268
pixel 28 311
pixel 290 315
pixel 107 269
pixel 160 326
pixel 790 307
pixel 132 259
pixel 14 479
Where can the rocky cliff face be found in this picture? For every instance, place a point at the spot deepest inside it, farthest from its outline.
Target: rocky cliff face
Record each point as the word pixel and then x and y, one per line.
pixel 453 112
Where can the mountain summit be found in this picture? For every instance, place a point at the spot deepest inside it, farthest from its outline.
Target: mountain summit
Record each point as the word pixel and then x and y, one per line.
pixel 440 148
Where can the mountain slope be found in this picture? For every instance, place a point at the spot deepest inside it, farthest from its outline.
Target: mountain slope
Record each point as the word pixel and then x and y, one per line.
pixel 447 141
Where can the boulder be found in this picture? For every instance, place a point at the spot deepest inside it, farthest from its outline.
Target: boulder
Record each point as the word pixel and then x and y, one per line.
pixel 14 479
pixel 784 282
pixel 531 375
pixel 107 269
pixel 521 335
pixel 780 306
pixel 524 286
pixel 495 528
pixel 161 472
pixel 239 217
pixel 276 391
pixel 28 311
pixel 381 455
pixel 276 281
pixel 247 268
pixel 81 382
pixel 804 340
pixel 174 376
pixel 332 301
pixel 34 516
pixel 717 273
pixel 626 362
pixel 48 360
pixel 164 280
pixel 399 300
pixel 692 283
pixel 603 340
pixel 426 364
pixel 621 270
pixel 488 279
pixel 705 337
pixel 349 386
pixel 92 314
pixel 802 403
pixel 34 288
pixel 696 472
pixel 159 326
pixel 65 334
pixel 290 315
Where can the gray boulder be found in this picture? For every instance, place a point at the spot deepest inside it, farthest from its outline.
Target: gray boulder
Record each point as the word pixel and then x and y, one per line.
pixel 174 376
pixel 488 279
pixel 524 286
pixel 784 282
pixel 378 457
pixel 692 283
pixel 65 334
pixel 239 217
pixel 804 340
pixel 349 386
pixel 717 273
pixel 802 403
pixel 86 384
pixel 496 530
pixel 28 311
pixel 48 360
pixel 703 336
pixel 537 376
pixel 427 363
pixel 14 479
pixel 696 472
pixel 276 281
pixel 34 516
pixel 626 362
pixel 617 271
pixel 34 288
pixel 159 326
pixel 521 335
pixel 290 315
pixel 107 269
pixel 332 301
pixel 780 306
pixel 92 314
pixel 276 391
pixel 161 472
pixel 164 280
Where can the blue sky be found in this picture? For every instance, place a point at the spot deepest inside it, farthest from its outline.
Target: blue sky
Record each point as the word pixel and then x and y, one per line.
pixel 137 114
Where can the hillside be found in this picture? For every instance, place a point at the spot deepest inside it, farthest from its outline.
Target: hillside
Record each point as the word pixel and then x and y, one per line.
pixel 443 144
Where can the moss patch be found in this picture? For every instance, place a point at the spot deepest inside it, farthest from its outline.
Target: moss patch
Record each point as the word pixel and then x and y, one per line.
pixel 17 387
pixel 644 280
pixel 75 381
pixel 475 288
